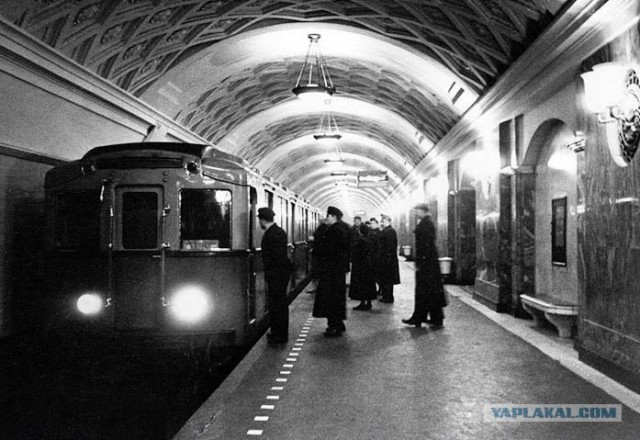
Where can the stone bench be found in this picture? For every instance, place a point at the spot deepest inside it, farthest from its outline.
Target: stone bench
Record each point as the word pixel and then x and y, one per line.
pixel 561 314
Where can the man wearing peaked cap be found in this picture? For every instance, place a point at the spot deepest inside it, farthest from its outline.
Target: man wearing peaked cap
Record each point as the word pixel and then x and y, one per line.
pixel 429 291
pixel 331 299
pixel 277 271
pixel 266 214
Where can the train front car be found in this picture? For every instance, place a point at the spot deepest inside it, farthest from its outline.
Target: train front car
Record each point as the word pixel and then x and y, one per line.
pixel 154 240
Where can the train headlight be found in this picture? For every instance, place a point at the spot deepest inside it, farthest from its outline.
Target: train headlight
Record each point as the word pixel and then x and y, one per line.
pixel 190 304
pixel 90 304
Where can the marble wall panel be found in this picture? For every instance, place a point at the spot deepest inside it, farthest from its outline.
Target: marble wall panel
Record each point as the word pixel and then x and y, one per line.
pixel 524 235
pixel 488 233
pixel 505 257
pixel 609 238
pixel 465 236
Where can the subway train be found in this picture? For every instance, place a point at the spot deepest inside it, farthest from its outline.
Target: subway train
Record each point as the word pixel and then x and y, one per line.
pixel 161 241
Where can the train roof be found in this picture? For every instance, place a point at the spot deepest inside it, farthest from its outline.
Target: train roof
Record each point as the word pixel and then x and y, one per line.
pixel 206 153
pixel 198 150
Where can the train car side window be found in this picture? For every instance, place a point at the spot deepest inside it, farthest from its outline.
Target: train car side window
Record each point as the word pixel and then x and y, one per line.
pixel 77 220
pixel 140 214
pixel 205 219
pixel 269 197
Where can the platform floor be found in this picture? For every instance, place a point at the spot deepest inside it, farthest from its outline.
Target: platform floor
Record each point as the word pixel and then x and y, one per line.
pixel 385 380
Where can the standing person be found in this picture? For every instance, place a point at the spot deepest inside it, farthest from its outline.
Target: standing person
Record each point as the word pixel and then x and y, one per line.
pixel 277 272
pixel 317 259
pixel 355 230
pixel 331 301
pixel 374 243
pixel 389 268
pixel 363 285
pixel 429 293
pixel 354 233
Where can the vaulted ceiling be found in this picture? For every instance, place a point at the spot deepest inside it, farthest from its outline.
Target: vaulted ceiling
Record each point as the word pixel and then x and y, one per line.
pixel 405 72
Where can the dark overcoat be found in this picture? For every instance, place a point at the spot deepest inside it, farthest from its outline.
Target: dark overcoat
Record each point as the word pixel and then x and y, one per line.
pixel 317 252
pixel 389 267
pixel 363 285
pixel 277 273
pixel 274 254
pixel 331 298
pixel 428 277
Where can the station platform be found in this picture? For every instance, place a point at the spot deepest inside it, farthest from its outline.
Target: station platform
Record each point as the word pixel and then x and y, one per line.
pixel 385 380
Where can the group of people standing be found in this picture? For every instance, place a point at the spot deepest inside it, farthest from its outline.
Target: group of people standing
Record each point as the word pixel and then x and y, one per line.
pixel 369 251
pixel 374 262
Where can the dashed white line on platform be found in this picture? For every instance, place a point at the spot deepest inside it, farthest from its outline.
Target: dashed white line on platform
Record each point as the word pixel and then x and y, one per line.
pixel 261 418
pixel 281 379
pixel 291 359
pixel 254 432
pixel 294 354
pixel 287 365
pixel 285 372
pixel 273 397
pixel 267 407
pixel 277 388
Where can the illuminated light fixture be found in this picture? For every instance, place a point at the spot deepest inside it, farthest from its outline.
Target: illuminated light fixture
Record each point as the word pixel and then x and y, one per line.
pixel 327 131
pixel 337 161
pixel 90 304
pixel 578 144
pixel 190 304
pixel 509 170
pixel 314 80
pixel 612 92
pixel 338 173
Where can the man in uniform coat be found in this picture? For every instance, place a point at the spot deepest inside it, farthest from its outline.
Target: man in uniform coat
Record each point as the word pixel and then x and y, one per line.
pixel 331 301
pixel 277 272
pixel 429 293
pixel 389 268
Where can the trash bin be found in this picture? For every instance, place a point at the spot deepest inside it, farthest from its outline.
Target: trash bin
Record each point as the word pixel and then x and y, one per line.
pixel 445 268
pixel 406 252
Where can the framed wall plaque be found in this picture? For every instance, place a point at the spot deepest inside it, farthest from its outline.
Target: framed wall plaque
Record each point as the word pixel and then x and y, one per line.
pixel 559 231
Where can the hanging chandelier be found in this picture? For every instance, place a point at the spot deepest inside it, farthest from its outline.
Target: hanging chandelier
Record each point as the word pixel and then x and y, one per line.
pixel 327 131
pixel 337 159
pixel 314 80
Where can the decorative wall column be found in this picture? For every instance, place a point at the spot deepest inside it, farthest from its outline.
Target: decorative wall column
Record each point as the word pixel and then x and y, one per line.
pixel 524 238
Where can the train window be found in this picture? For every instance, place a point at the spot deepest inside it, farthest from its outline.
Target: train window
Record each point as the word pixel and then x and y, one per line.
pixel 140 220
pixel 77 220
pixel 269 197
pixel 205 219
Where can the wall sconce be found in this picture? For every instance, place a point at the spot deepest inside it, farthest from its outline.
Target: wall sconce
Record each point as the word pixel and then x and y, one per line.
pixel 611 91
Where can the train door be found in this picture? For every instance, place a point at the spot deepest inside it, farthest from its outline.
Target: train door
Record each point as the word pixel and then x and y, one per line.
pixel 137 256
pixel 256 283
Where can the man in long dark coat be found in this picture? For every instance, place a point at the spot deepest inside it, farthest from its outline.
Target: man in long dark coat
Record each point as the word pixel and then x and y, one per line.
pixel 389 268
pixel 331 301
pixel 277 272
pixel 363 284
pixel 429 293
pixel 317 255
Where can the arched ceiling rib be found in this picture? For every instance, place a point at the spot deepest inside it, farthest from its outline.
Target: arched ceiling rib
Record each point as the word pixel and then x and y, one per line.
pixel 405 70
